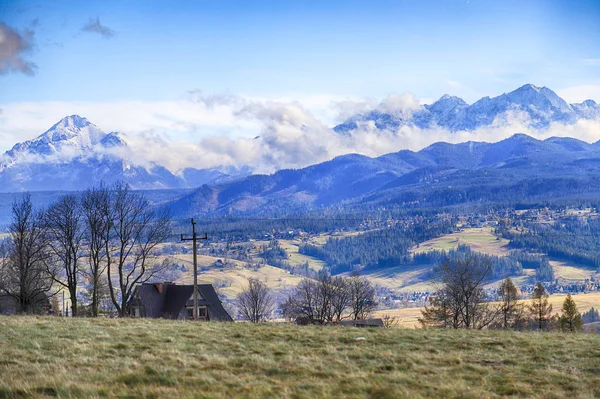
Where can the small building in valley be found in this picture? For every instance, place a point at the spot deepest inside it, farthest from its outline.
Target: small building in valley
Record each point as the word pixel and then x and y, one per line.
pixel 363 323
pixel 40 305
pixel 172 301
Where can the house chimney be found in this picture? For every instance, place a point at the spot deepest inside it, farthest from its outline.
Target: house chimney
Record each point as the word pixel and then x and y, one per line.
pixel 159 287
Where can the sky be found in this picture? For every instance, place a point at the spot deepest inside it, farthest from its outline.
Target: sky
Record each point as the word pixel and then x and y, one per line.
pixel 179 70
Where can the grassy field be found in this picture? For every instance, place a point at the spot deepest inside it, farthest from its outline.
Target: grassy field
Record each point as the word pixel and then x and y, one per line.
pixel 570 272
pixel 232 279
pixel 295 258
pixel 479 239
pixel 79 358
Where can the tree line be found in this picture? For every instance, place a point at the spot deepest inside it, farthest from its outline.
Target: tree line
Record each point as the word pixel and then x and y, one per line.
pixel 105 236
pixel 378 248
pixel 462 302
pixel 325 299
pixel 570 239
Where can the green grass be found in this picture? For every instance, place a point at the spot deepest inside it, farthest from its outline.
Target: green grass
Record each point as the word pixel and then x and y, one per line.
pixel 292 247
pixel 480 239
pixel 569 271
pixel 51 357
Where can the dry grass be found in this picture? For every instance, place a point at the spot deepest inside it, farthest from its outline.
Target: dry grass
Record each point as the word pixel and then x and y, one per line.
pixel 479 239
pixel 80 358
pixel 232 279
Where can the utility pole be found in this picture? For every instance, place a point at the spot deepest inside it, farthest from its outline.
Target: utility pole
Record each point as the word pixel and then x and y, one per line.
pixel 194 240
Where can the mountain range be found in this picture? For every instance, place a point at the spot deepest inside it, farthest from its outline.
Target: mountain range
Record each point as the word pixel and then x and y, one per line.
pixel 520 168
pixel 541 105
pixel 75 154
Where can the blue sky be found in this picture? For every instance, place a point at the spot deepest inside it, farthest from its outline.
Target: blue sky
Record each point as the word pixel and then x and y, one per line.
pixel 199 73
pixel 160 50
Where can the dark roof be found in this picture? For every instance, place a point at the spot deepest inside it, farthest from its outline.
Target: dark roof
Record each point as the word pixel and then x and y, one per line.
pixel 363 323
pixel 176 298
pixel 168 300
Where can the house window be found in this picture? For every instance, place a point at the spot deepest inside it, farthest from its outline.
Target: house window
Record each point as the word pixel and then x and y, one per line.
pixel 202 313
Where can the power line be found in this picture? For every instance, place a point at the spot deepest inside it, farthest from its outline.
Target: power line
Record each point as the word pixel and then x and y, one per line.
pixel 195 239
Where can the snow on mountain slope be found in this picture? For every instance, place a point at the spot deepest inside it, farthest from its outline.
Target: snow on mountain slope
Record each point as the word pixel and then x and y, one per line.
pixel 73 134
pixel 75 154
pixel 540 104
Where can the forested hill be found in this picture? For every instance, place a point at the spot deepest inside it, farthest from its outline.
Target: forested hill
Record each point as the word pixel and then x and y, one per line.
pixel 520 168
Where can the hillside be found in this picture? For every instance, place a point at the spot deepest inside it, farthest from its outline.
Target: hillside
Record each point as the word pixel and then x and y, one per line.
pixel 517 169
pixel 47 357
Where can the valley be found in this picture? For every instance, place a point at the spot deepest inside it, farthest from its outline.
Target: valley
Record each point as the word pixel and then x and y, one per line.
pixel 403 288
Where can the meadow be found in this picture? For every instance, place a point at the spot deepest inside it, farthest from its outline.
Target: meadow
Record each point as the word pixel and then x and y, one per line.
pixel 480 239
pixel 52 357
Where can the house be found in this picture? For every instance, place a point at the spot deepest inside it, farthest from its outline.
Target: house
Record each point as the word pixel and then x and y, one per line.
pixel 10 305
pixel 363 323
pixel 171 301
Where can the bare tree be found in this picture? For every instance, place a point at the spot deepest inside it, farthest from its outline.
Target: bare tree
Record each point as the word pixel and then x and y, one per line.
pixel 324 292
pixel 461 302
pixel 440 313
pixel 341 298
pixel 390 321
pixel 64 230
pixel 362 294
pixel 23 273
pixel 255 302
pixel 136 231
pixel 95 204
pixel 303 302
pixel 289 308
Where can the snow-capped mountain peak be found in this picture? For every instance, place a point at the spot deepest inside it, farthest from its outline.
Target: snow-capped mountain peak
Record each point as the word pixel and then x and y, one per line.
pixel 75 154
pixel 74 134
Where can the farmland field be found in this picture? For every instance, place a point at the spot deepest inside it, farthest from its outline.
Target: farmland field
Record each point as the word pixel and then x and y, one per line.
pixel 569 271
pixel 232 279
pixel 51 357
pixel 479 239
pixel 296 258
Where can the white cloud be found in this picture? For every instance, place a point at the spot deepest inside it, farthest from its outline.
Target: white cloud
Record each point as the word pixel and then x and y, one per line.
pixel 577 94
pixel 206 131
